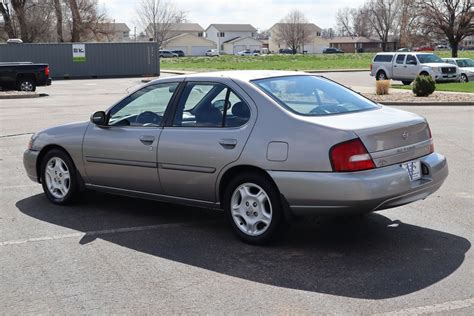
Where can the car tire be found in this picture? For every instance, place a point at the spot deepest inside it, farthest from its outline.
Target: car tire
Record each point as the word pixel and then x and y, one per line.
pixel 407 83
pixel 463 78
pixel 381 75
pixel 424 73
pixel 26 84
pixel 59 177
pixel 254 209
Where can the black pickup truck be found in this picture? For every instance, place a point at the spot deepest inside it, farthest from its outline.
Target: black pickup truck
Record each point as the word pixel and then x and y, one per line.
pixel 23 76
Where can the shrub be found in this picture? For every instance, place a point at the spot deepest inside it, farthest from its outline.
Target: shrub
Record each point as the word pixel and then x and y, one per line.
pixel 382 87
pixel 423 86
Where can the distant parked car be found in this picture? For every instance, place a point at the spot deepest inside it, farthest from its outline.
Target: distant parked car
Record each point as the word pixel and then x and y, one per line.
pixel 286 51
pixel 466 67
pixel 24 76
pixel 180 53
pixel 442 47
pixel 247 53
pixel 167 54
pixel 333 50
pixel 212 53
pixel 406 66
pixel 423 49
pixel 404 49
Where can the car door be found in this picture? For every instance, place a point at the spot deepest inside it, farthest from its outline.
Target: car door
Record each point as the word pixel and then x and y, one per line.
pixel 412 66
pixel 399 67
pixel 212 123
pixel 123 153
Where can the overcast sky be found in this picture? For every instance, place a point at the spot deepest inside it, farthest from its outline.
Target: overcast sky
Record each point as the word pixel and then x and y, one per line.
pixel 260 13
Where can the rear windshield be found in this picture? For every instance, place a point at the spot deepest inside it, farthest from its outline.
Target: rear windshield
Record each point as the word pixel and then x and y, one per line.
pixel 429 58
pixel 384 58
pixel 313 96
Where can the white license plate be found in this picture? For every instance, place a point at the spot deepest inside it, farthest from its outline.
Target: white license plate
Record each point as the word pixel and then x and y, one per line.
pixel 413 169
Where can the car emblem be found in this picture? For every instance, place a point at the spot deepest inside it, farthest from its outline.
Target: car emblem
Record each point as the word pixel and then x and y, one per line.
pixel 405 135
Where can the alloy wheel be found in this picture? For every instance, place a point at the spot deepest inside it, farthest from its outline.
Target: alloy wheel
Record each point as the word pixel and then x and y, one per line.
pixel 251 209
pixel 57 177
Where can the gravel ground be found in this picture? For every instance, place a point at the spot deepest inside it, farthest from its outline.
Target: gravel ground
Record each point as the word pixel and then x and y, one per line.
pixel 408 96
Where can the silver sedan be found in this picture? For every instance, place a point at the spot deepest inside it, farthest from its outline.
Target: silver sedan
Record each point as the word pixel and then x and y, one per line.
pixel 264 146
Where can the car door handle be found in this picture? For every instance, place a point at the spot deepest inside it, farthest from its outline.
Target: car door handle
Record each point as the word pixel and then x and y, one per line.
pixel 228 143
pixel 147 139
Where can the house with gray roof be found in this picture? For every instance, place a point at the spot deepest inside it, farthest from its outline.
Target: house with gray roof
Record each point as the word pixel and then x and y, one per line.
pixel 232 38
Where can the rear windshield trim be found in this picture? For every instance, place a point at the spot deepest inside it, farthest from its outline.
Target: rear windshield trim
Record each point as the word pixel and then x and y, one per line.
pixel 286 107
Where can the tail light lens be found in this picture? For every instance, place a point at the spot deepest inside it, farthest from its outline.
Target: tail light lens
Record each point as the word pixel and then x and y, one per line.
pixel 350 156
pixel 431 140
pixel 371 67
pixel 46 71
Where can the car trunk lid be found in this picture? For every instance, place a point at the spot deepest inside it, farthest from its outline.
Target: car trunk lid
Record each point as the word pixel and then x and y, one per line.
pixel 390 135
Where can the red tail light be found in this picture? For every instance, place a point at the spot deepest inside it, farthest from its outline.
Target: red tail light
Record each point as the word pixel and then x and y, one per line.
pixel 370 67
pixel 350 156
pixel 46 71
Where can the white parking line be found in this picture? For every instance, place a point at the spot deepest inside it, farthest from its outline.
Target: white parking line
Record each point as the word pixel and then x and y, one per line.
pixel 102 232
pixel 430 309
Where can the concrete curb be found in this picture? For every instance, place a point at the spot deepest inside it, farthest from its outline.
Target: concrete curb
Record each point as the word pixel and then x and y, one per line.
pixel 335 70
pixel 19 96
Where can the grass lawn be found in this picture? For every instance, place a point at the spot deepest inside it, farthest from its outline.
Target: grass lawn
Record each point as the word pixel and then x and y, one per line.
pixel 453 87
pixel 280 62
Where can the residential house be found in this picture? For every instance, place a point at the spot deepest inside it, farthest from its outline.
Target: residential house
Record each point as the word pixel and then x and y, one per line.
pixel 233 38
pixel 190 44
pixel 467 43
pixel 314 45
pixel 187 37
pixel 178 29
pixel 361 44
pixel 108 32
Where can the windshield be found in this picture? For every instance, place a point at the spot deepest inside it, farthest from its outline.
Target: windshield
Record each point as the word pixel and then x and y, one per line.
pixel 429 58
pixel 313 96
pixel 465 63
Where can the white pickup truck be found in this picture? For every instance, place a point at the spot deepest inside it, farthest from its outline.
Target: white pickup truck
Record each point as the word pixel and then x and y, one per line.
pixel 405 66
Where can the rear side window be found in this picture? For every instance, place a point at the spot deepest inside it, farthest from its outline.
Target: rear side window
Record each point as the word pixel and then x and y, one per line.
pixel 383 58
pixel 313 96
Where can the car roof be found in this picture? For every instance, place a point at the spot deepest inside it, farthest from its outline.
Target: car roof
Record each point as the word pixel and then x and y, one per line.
pixel 242 75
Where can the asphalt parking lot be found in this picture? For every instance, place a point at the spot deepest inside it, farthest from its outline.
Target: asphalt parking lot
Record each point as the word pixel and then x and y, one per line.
pixel 110 254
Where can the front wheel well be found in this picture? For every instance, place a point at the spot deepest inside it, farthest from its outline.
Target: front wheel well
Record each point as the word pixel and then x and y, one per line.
pixel 44 151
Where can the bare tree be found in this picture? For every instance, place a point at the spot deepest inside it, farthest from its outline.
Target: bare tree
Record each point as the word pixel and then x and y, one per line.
pixel 345 21
pixel 383 16
pixel 294 30
pixel 59 20
pixel 76 21
pixel 7 19
pixel 452 18
pixel 20 13
pixel 157 17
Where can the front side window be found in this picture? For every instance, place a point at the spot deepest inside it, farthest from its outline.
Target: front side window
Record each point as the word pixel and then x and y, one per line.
pixel 400 59
pixel 411 60
pixel 144 108
pixel 313 96
pixel 210 105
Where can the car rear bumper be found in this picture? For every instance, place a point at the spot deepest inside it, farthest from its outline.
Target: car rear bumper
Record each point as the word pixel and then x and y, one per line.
pixel 358 192
pixel 29 161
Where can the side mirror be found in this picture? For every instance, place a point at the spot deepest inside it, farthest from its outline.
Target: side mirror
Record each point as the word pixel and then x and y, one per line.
pixel 99 118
